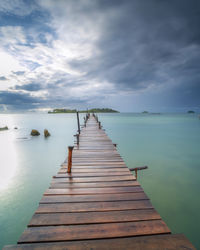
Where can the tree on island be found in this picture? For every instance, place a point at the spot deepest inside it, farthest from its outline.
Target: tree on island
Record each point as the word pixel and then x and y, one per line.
pixel 4 128
pixel 94 110
pixel 191 112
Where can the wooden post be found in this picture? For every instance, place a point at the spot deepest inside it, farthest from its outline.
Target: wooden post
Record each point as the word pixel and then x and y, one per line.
pixel 136 169
pixel 136 173
pixel 99 125
pixel 77 136
pixel 78 122
pixel 70 148
pixel 84 118
pixel 115 144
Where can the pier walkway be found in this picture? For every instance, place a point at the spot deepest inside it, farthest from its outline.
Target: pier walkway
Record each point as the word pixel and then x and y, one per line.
pixel 99 205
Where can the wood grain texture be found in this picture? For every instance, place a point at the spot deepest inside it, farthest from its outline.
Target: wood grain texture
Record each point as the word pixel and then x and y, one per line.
pixel 155 242
pixel 105 190
pixel 93 185
pixel 93 206
pixel 93 197
pixel 92 231
pixel 95 179
pixel 55 219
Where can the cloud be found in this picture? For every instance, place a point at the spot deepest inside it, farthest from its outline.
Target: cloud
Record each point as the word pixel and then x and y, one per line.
pixel 92 52
pixel 3 78
pixel 29 87
pixel 17 7
pixel 13 35
pixel 19 99
pixel 18 73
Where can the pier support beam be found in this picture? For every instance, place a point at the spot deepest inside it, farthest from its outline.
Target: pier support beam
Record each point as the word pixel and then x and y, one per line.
pixel 79 130
pixel 70 149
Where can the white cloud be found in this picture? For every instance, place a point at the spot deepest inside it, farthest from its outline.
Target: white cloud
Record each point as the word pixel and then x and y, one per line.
pixel 17 7
pixel 49 63
pixel 8 64
pixel 11 35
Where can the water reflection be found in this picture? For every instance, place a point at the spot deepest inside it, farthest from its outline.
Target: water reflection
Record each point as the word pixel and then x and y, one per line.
pixel 8 158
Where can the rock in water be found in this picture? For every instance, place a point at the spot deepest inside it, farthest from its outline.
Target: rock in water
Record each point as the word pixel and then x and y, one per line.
pixel 46 133
pixel 34 132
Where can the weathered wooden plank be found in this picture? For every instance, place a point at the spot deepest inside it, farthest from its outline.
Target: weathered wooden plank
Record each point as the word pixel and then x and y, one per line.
pixel 55 219
pixel 93 197
pixel 95 179
pixel 105 190
pixel 93 231
pixel 155 242
pixel 88 160
pixel 112 170
pixel 93 185
pixel 96 159
pixel 108 167
pixel 93 206
pixel 93 166
pixel 74 175
pixel 98 163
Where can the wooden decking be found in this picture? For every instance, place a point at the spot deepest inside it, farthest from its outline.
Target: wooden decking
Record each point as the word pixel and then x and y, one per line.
pixel 99 205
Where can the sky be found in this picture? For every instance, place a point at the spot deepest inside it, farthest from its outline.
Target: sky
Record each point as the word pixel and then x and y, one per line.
pixel 129 55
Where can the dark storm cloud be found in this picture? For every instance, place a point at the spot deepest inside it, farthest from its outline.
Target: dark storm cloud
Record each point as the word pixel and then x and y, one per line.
pixel 3 78
pixel 147 42
pixel 29 87
pixel 132 46
pixel 24 101
pixel 19 100
pixel 18 73
pixel 7 97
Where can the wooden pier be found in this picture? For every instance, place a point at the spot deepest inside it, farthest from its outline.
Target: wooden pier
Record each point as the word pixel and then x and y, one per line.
pixel 99 205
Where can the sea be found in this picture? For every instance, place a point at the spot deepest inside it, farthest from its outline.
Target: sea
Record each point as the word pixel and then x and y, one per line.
pixel 169 144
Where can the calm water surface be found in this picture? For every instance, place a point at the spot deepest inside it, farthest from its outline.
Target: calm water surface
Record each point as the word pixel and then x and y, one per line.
pixel 168 144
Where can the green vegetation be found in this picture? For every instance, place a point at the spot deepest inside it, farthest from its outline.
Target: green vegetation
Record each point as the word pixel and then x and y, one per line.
pixel 55 111
pixel 95 110
pixel 4 128
pixel 104 110
pixel 191 112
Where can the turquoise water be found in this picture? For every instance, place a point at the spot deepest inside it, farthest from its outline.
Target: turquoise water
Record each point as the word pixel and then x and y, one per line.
pixel 168 143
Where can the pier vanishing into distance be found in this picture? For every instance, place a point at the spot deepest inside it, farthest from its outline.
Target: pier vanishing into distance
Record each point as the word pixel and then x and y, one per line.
pixel 95 202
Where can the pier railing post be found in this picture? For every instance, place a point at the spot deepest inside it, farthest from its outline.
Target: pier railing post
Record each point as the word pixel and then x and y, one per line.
pixel 136 173
pixel 85 120
pixel 136 170
pixel 77 113
pixel 99 125
pixel 70 148
pixel 77 138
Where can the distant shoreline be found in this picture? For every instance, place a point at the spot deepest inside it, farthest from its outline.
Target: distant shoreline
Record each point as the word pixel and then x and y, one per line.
pixel 95 110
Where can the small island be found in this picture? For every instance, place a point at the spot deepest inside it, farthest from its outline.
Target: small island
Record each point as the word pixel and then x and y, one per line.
pixel 191 112
pixel 94 110
pixel 4 128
